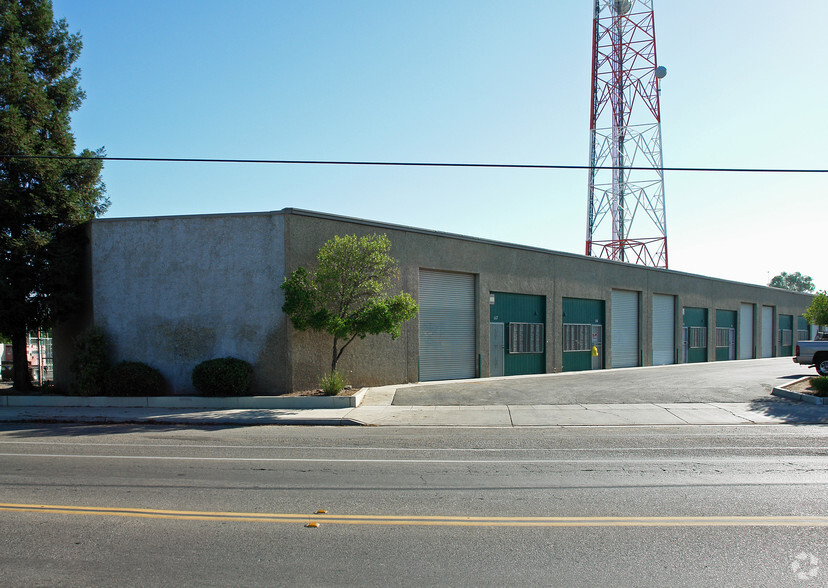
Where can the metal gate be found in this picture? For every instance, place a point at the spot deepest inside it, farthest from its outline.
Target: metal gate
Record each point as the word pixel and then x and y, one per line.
pixel 447 326
pixel 731 333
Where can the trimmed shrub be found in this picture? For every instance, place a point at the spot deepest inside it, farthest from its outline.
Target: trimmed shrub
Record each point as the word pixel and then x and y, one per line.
pixel 133 378
pixel 91 362
pixel 333 384
pixel 225 376
pixel 820 384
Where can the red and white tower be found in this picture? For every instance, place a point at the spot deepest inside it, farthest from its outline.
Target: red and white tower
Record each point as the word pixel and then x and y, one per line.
pixel 625 215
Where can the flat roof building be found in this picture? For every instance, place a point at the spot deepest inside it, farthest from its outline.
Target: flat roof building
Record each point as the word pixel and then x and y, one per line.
pixel 175 291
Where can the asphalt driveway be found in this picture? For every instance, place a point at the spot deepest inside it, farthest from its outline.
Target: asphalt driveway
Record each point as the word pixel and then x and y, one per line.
pixel 727 381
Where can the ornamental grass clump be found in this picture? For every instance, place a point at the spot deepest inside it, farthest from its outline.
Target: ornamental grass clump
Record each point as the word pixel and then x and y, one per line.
pixel 225 376
pixel 333 384
pixel 820 384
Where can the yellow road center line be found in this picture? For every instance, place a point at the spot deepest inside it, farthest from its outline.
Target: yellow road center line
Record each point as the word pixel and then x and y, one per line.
pixel 475 521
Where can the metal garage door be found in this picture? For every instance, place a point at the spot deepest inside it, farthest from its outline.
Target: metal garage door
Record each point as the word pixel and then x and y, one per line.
pixel 447 326
pixel 624 328
pixel 746 332
pixel 664 329
pixel 767 331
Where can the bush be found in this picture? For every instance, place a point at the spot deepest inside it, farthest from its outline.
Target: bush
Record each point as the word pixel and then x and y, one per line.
pixel 226 376
pixel 133 378
pixel 333 384
pixel 820 384
pixel 91 362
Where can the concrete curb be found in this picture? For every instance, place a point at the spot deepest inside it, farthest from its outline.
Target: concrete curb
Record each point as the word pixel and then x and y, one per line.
pixel 791 395
pixel 185 402
pixel 188 417
pixel 590 415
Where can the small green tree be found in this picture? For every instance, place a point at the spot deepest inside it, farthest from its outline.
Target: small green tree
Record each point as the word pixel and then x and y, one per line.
pixel 817 311
pixel 795 281
pixel 346 295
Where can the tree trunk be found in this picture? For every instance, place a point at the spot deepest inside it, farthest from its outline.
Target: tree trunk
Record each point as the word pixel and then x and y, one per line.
pixel 22 377
pixel 335 356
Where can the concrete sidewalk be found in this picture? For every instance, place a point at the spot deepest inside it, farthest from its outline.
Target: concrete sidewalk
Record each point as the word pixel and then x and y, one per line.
pixel 376 409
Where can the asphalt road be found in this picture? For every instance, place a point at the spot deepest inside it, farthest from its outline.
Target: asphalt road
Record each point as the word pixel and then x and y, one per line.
pixel 724 381
pixel 119 505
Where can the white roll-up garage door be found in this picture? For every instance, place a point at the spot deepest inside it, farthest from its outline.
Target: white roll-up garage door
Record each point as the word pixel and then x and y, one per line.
pixel 767 331
pixel 624 328
pixel 447 326
pixel 746 332
pixel 664 329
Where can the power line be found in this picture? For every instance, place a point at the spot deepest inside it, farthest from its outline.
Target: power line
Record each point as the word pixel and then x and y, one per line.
pixel 417 164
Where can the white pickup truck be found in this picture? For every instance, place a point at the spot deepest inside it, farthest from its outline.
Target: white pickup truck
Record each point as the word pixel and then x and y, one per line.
pixel 813 353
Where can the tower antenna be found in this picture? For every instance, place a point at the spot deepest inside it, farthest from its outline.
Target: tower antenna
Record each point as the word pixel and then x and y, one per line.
pixel 626 176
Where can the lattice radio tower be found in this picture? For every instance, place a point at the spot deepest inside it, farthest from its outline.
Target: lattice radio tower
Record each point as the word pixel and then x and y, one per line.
pixel 626 178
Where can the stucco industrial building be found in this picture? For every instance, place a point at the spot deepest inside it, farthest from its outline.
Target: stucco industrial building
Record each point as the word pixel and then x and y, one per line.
pixel 174 291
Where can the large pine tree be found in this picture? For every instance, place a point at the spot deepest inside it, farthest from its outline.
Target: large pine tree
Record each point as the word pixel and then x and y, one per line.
pixel 45 192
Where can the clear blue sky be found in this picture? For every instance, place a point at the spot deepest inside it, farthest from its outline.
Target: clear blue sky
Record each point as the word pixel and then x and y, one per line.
pixel 458 81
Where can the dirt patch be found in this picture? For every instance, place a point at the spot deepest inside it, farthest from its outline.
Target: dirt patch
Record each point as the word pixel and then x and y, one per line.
pixel 803 387
pixel 349 391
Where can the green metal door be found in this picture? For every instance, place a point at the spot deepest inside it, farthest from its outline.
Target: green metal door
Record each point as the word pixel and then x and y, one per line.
pixel 579 317
pixel 524 317
pixel 695 336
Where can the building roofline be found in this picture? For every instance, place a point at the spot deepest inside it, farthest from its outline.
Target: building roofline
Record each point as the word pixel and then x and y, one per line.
pixel 435 233
pixel 392 226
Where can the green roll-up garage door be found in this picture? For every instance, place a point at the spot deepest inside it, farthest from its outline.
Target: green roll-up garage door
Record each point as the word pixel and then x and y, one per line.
pixel 624 328
pixel 695 335
pixel 447 326
pixel 725 335
pixel 583 328
pixel 523 318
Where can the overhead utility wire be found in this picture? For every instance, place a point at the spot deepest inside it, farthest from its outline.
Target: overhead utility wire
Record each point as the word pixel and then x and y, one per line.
pixel 420 164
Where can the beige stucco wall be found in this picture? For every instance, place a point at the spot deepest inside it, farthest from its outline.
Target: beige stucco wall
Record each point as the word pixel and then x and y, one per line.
pixel 175 291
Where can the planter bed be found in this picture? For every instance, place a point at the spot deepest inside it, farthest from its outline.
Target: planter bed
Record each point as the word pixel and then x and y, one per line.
pixel 220 402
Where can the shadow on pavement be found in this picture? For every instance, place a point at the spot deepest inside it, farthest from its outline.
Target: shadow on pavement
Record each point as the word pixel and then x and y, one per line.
pixel 23 430
pixel 792 412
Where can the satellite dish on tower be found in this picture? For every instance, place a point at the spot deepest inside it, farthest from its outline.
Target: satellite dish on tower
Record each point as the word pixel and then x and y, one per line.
pixel 661 72
pixel 621 7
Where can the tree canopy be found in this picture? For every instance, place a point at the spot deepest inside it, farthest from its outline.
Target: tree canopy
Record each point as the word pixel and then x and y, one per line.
pixel 45 189
pixel 817 311
pixel 795 281
pixel 346 295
